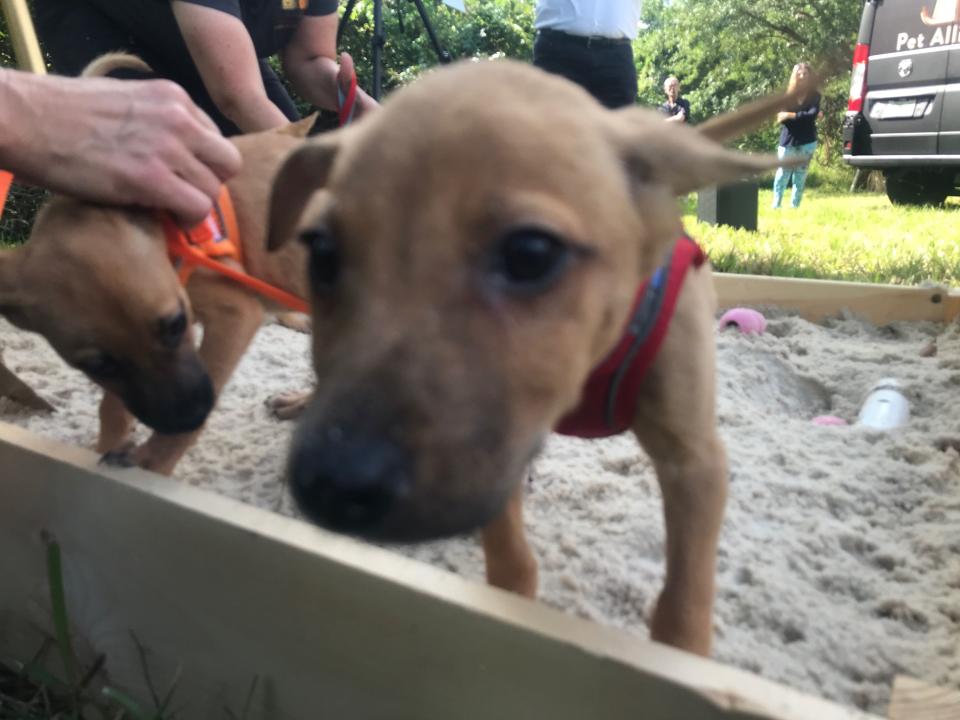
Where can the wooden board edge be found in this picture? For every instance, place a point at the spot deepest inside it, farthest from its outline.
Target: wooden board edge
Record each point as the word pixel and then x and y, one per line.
pixel 593 648
pixel 818 299
pixel 914 699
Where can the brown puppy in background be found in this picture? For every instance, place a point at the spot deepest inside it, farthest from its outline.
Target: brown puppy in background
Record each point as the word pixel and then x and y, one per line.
pixel 475 250
pixel 96 281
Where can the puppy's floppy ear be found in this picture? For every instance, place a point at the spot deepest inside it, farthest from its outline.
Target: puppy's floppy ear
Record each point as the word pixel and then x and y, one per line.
pixel 305 171
pixel 664 160
pixel 680 157
pixel 745 118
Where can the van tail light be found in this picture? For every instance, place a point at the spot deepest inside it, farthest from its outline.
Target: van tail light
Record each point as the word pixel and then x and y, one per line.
pixel 858 78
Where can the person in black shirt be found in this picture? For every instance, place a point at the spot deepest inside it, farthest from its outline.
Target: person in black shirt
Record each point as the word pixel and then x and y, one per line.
pixel 676 108
pixel 798 134
pixel 215 49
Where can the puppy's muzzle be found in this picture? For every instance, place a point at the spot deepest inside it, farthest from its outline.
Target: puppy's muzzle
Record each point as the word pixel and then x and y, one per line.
pixel 174 407
pixel 349 483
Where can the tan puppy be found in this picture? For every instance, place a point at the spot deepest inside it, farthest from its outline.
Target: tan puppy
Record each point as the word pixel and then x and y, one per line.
pixel 475 249
pixel 97 283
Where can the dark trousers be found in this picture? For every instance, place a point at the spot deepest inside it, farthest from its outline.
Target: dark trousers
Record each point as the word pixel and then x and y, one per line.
pixel 74 32
pixel 604 68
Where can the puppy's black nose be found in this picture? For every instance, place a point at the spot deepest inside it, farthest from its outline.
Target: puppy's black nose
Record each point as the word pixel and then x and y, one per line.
pixel 198 402
pixel 347 482
pixel 175 408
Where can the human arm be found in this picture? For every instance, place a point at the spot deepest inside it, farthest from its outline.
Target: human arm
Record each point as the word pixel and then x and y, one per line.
pixel 310 63
pixel 807 111
pixel 811 110
pixel 679 117
pixel 223 52
pixel 112 141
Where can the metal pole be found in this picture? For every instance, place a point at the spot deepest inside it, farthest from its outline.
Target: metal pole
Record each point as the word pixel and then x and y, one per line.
pixel 377 42
pixel 24 37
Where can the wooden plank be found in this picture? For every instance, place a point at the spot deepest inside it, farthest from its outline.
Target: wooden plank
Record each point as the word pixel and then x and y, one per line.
pixel 951 310
pixel 23 36
pixel 916 700
pixel 817 299
pixel 333 628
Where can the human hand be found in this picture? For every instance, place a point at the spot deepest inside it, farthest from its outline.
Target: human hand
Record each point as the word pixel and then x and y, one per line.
pixel 118 142
pixel 345 72
pixel 783 115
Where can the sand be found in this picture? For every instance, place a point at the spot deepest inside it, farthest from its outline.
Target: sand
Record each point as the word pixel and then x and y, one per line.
pixel 840 556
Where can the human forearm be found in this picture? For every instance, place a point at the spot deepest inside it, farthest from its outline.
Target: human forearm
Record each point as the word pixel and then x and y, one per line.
pixel 16 115
pixel 250 110
pixel 226 59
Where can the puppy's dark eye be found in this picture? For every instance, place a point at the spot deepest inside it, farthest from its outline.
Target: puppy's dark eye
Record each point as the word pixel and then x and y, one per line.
pixel 101 366
pixel 530 259
pixel 324 258
pixel 170 329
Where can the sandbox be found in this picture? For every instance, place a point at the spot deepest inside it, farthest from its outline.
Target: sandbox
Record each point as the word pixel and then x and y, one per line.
pixel 839 560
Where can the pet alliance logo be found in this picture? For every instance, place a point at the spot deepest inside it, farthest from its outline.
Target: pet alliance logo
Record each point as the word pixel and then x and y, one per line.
pixel 945 18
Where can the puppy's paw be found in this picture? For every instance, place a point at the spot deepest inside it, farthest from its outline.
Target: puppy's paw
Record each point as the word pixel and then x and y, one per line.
pixel 295 321
pixel 122 456
pixel 288 406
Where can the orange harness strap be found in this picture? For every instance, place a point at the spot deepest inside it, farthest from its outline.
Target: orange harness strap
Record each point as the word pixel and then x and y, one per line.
pixel 5 180
pixel 214 240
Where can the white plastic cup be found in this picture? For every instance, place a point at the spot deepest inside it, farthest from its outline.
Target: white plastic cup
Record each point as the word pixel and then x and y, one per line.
pixel 886 407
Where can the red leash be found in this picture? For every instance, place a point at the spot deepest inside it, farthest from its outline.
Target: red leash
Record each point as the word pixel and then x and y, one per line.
pixel 347 101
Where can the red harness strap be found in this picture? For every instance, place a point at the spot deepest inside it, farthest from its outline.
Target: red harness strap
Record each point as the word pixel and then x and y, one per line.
pixel 212 244
pixel 608 403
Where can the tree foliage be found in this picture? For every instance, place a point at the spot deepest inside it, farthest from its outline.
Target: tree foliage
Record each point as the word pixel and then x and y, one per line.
pixel 490 28
pixel 731 51
pixel 724 51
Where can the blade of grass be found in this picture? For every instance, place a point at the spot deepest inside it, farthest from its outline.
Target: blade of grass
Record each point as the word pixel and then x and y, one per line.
pixel 144 668
pixel 126 702
pixel 168 698
pixel 249 701
pixel 58 604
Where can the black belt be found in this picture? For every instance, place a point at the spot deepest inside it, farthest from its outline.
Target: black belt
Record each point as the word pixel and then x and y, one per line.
pixel 583 40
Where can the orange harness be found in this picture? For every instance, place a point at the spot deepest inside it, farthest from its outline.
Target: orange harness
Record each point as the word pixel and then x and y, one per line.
pixel 205 245
pixel 211 243
pixel 5 180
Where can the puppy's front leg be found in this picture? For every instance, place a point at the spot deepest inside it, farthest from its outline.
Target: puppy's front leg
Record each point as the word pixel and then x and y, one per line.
pixel 115 423
pixel 510 562
pixel 231 317
pixel 677 427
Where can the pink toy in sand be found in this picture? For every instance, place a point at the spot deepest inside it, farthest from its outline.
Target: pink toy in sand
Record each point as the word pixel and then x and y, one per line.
pixel 829 420
pixel 749 321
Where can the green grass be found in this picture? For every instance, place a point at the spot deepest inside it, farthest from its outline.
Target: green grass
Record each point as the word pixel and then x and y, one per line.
pixel 32 690
pixel 839 236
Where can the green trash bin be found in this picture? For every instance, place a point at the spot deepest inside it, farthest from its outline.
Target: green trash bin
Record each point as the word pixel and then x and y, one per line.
pixel 734 205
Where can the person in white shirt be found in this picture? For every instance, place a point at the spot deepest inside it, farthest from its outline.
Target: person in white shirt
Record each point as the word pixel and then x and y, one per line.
pixel 590 42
